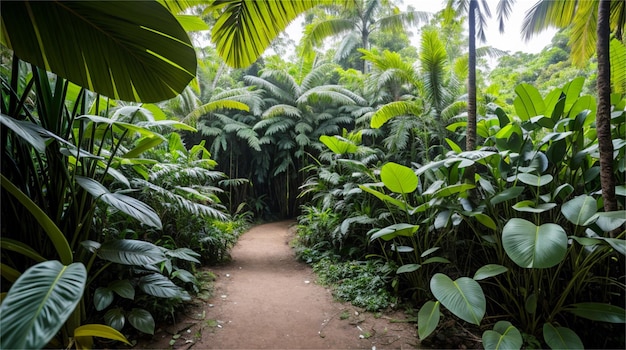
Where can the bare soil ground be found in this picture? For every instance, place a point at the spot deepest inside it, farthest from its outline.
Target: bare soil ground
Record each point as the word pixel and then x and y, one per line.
pixel 265 299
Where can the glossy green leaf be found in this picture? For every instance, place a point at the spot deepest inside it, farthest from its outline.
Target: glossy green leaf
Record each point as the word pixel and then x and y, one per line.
pixel 436 259
pixel 408 268
pixel 115 318
pixel 126 204
pixel 384 197
pixel 338 144
pixel 398 178
pixel 489 270
pixel 485 220
pixel 599 312
pixel 429 251
pixel 395 230
pixel 532 246
pixel 142 320
pixel 39 303
pixel 453 189
pixel 507 194
pixel 579 209
pixel 123 288
pixel 463 297
pixel 534 180
pixel 131 252
pixel 100 330
pixel 32 133
pixel 133 51
pixel 529 206
pixel 528 102
pixel 160 286
pixel 428 319
pixel 619 244
pixel 608 221
pixel 102 298
pixel 503 336
pixel 561 337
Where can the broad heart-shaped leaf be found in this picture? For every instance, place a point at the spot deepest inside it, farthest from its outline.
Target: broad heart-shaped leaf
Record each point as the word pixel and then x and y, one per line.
pixel 398 178
pixel 123 288
pixel 599 312
pixel 131 252
pixel 395 230
pixel 115 318
pixel 428 319
pixel 579 209
pixel 247 27
pixel 503 336
pixel 102 298
pixel 489 270
pixel 39 303
pixel 338 144
pixel 532 246
pixel 463 297
pixel 142 320
pixel 128 205
pixel 561 337
pixel 128 50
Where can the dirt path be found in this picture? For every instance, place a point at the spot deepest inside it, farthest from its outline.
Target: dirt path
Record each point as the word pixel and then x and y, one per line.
pixel 265 299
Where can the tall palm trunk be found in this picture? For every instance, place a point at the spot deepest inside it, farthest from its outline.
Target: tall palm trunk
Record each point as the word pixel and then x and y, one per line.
pixel 470 136
pixel 603 115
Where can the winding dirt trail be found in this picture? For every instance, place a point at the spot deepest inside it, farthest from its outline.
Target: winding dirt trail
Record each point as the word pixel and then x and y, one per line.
pixel 265 299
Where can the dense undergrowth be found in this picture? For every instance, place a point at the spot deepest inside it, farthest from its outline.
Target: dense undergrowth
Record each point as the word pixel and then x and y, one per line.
pixel 510 237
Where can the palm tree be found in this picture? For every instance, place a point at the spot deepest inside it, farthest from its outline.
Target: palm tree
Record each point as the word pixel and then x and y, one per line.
pixel 478 13
pixel 589 35
pixel 357 22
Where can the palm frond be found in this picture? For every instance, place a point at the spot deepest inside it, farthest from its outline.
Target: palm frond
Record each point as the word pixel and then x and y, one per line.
pixel 548 13
pixel 503 11
pixel 393 109
pixel 269 87
pixel 282 110
pixel 583 36
pixel 318 32
pixel 347 45
pixel 400 20
pixel 247 27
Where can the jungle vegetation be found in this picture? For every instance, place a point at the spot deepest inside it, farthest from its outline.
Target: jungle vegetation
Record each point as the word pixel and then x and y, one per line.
pixel 138 141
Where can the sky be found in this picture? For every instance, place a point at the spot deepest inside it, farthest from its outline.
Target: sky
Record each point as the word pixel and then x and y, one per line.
pixel 509 41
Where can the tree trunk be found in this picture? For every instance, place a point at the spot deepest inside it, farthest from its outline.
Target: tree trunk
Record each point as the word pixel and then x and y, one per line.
pixel 603 115
pixel 470 133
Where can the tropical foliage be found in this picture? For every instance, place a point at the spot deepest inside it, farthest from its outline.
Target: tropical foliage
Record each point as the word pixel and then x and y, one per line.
pixel 422 178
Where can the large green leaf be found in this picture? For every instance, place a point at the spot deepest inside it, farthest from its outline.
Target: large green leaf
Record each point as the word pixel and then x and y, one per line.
pixel 428 318
pixel 384 197
pixel 246 28
pixel 599 312
pixel 115 318
pixel 129 205
pixel 128 50
pixel 579 209
pixel 142 320
pixel 160 286
pixel 489 270
pixel 131 252
pixel 393 109
pixel 39 303
pixel 102 298
pixel 395 230
pixel 398 178
pixel 463 297
pixel 532 246
pixel 561 337
pixel 503 336
pixel 99 330
pixel 338 144
pixel 528 102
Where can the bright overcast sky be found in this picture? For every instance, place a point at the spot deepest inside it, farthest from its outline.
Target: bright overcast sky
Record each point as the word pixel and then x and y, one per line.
pixel 509 41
